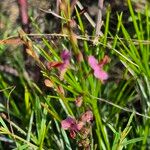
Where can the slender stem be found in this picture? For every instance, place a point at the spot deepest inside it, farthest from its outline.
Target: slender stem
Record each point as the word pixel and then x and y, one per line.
pixel 99 17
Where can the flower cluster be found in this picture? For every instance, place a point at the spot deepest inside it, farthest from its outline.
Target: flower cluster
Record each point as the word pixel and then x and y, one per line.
pixel 80 126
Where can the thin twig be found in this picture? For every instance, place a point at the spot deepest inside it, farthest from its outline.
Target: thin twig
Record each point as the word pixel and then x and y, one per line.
pixel 122 108
pixel 16 40
pixel 87 38
pixel 53 13
pixel 81 8
pixel 7 88
pixel 8 69
pixel 86 14
pixel 57 6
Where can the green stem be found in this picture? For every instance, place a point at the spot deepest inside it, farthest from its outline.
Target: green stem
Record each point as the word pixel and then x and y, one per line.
pixel 100 128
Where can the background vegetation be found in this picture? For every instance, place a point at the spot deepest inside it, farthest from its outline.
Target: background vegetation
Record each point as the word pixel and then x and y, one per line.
pixel 50 97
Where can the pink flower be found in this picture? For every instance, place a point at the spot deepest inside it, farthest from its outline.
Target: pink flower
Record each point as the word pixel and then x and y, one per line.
pixel 98 67
pixel 65 56
pixel 77 126
pixel 63 65
pixel 87 117
pixel 71 125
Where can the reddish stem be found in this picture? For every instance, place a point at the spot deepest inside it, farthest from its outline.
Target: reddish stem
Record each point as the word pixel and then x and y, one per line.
pixel 23 7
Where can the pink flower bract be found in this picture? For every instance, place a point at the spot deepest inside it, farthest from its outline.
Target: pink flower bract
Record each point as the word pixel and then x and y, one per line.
pixel 79 101
pixel 87 116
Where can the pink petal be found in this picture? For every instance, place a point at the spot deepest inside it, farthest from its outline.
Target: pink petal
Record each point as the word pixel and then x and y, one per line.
pixel 92 62
pixel 100 74
pixel 67 123
pixel 65 55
